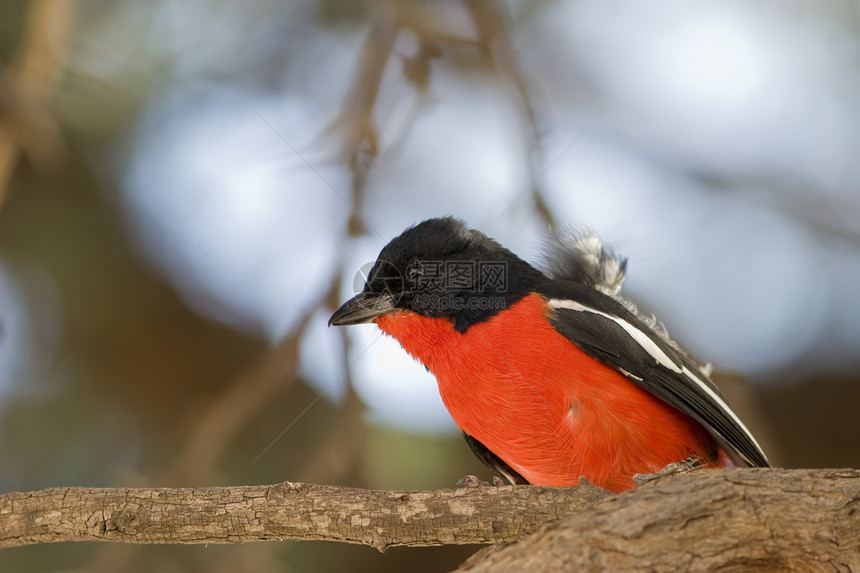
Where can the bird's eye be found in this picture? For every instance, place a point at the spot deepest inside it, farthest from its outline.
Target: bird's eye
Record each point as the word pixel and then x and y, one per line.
pixel 415 271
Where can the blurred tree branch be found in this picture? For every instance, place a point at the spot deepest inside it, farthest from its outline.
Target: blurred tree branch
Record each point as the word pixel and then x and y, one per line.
pixel 711 519
pixel 433 26
pixel 222 419
pixel 26 124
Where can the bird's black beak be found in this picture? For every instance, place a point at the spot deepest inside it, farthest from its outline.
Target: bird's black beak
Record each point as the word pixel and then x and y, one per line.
pixel 365 307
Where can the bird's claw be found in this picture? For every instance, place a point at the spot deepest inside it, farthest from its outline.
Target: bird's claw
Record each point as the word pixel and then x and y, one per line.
pixel 470 481
pixel 475 481
pixel 681 467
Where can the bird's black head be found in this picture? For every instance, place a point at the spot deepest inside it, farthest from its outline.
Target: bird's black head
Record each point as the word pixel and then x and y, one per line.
pixel 440 268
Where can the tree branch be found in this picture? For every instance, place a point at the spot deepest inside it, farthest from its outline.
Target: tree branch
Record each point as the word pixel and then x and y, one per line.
pixel 285 511
pixel 723 520
pixel 748 519
pixel 26 122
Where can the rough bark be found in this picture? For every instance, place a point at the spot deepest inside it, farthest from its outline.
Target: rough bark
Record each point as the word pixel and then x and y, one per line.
pixel 727 520
pixel 740 520
pixel 381 519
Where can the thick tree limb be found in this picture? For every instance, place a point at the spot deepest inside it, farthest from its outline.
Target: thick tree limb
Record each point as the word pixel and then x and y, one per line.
pixel 751 519
pixel 736 520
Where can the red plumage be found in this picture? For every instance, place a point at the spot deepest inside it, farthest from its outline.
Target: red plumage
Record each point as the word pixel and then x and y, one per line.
pixel 542 405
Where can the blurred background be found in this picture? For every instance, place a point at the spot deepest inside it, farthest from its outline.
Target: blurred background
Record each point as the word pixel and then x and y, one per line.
pixel 188 189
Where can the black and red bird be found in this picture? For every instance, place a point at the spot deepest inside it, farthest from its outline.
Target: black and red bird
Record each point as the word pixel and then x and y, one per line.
pixel 550 376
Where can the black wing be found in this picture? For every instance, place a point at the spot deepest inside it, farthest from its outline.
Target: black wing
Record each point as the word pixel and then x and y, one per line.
pixel 493 461
pixel 607 330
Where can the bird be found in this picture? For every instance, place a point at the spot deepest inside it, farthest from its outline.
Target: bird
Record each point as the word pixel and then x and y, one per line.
pixel 550 374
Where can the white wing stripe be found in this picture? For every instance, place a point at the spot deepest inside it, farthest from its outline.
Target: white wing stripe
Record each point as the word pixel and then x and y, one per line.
pixel 640 337
pixel 655 352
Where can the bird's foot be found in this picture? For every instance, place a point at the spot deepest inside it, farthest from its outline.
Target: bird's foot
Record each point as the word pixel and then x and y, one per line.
pixel 681 467
pixel 475 481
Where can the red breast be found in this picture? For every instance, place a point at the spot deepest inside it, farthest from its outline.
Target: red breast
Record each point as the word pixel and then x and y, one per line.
pixel 549 410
